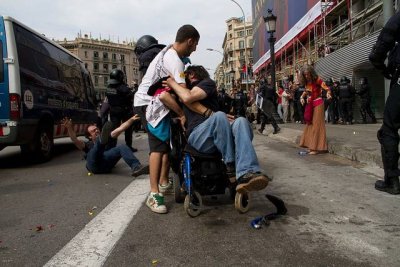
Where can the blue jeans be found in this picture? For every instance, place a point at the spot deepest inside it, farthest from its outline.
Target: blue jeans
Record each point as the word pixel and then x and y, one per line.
pixel 99 160
pixel 232 141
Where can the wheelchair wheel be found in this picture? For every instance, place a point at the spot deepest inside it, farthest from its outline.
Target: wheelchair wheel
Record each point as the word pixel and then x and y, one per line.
pixel 179 195
pixel 193 206
pixel 242 202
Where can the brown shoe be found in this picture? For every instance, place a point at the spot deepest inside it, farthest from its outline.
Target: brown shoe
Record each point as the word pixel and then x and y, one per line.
pixel 252 182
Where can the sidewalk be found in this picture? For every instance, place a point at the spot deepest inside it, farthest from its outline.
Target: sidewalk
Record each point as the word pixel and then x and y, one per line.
pixel 356 142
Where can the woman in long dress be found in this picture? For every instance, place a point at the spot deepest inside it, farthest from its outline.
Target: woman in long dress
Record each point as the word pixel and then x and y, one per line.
pixel 314 135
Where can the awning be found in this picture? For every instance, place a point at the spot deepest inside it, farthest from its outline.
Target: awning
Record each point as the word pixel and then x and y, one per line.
pixel 304 24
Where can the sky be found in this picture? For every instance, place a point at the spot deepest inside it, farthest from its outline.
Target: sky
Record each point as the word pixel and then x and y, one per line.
pixel 130 19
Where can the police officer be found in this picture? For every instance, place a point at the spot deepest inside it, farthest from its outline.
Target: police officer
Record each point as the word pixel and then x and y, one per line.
pixel 268 94
pixel 147 48
pixel 240 103
pixel 388 134
pixel 120 99
pixel 346 97
pixel 224 101
pixel 333 114
pixel 365 97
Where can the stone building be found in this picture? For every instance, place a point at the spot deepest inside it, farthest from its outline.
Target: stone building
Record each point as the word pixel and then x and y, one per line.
pixel 101 56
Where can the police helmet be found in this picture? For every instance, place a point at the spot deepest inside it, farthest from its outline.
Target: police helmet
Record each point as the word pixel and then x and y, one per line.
pixel 116 77
pixel 363 80
pixel 329 81
pixel 146 42
pixel 343 79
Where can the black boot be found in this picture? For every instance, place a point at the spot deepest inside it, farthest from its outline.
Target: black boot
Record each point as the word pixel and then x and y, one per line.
pixel 389 184
pixel 276 130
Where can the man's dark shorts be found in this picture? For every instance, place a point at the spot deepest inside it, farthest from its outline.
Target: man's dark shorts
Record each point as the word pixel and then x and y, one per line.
pixel 156 145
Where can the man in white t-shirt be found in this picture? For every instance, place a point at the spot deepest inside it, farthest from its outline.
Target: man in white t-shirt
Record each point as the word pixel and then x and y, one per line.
pixel 167 63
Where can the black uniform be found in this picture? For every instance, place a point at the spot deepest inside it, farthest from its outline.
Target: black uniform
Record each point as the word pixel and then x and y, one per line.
pixel 240 104
pixel 268 107
pixel 346 98
pixel 365 97
pixel 388 134
pixel 333 109
pixel 120 99
pixel 224 102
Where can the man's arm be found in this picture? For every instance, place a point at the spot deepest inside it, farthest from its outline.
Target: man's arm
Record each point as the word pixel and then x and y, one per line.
pixel 116 132
pixel 67 123
pixel 189 97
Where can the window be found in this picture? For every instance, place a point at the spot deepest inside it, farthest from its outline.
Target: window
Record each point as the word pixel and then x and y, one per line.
pixel 1 62
pixel 105 67
pixel 96 80
pixel 230 27
pixel 114 67
pixel 96 66
pixel 114 56
pixel 105 80
pixel 241 44
pixel 86 65
pixel 240 34
pixel 135 71
pixel 124 69
pixel 85 54
pixel 105 55
pixel 122 58
pixel 249 32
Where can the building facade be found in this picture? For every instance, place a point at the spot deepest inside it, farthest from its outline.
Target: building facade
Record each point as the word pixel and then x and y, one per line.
pixel 101 56
pixel 334 36
pixel 235 68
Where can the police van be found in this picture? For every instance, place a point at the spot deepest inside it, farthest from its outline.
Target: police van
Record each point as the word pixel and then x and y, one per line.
pixel 40 83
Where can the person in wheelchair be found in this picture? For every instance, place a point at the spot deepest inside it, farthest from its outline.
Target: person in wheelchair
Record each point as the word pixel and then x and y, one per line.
pixel 215 131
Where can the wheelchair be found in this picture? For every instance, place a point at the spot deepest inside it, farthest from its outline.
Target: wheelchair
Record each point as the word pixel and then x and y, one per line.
pixel 198 174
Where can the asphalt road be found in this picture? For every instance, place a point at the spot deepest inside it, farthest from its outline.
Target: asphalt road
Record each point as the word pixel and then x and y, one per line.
pixel 335 217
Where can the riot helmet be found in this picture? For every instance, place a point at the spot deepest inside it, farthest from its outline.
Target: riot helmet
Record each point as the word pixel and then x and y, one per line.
pixel 329 82
pixel 146 42
pixel 116 77
pixel 363 80
pixel 343 80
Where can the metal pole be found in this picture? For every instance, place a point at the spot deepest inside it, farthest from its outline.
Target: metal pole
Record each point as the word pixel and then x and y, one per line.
pixel 272 40
pixel 245 45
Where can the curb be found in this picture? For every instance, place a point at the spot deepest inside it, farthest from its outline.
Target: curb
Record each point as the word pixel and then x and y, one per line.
pixel 335 147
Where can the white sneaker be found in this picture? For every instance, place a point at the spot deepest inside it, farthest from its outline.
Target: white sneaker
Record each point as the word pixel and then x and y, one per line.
pixel 165 189
pixel 155 201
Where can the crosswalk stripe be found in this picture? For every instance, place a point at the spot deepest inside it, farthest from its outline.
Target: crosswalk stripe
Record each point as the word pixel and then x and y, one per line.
pixel 94 243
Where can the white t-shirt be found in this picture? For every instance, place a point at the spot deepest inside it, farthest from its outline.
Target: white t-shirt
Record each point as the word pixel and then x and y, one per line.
pixel 172 65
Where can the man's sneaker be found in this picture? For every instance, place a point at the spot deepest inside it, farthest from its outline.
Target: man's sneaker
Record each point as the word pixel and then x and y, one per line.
pixel 166 189
pixel 252 182
pixel 155 201
pixel 140 169
pixel 106 132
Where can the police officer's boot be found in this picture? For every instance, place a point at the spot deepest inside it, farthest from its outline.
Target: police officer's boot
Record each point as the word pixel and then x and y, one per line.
pixel 390 157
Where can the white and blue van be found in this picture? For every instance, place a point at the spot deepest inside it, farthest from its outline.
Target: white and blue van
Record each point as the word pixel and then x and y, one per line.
pixel 40 83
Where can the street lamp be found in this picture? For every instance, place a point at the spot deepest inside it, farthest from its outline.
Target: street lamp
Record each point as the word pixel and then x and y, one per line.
pixel 223 58
pixel 270 24
pixel 245 46
pixel 215 50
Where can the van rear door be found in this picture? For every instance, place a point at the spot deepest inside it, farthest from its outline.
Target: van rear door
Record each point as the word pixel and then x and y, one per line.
pixel 4 95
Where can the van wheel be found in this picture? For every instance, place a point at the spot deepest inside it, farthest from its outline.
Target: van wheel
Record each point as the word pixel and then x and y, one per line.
pixel 42 146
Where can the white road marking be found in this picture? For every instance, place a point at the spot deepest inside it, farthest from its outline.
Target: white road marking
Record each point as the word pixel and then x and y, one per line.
pixel 94 243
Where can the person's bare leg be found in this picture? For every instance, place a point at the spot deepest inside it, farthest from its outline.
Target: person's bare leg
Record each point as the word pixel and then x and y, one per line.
pixel 155 162
pixel 164 170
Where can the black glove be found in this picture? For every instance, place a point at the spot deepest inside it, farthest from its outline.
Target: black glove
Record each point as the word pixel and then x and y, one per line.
pixel 387 74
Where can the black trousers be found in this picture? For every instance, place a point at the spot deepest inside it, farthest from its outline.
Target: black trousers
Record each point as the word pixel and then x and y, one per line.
pixel 346 107
pixel 333 111
pixel 117 119
pixel 388 134
pixel 267 116
pixel 366 109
